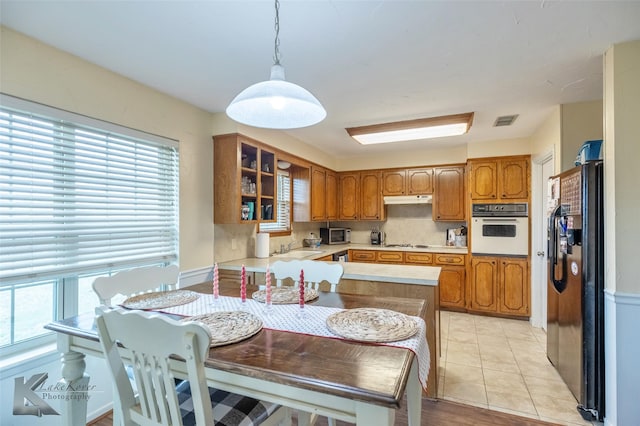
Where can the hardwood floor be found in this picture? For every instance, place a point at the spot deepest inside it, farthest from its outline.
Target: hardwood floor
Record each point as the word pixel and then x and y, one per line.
pixel 434 413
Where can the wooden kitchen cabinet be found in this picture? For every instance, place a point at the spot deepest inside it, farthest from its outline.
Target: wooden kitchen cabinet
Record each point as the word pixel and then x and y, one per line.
pixel 389 256
pixel 244 175
pixel 449 193
pixel 500 178
pixel 348 195
pixel 323 196
pixel 417 181
pixel 418 258
pixel 367 256
pixel 393 182
pixel 453 279
pixel 371 207
pixel 331 195
pixel 500 285
pixel 484 284
pixel 318 193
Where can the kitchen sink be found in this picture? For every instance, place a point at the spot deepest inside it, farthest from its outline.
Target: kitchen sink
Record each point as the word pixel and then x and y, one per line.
pixel 298 254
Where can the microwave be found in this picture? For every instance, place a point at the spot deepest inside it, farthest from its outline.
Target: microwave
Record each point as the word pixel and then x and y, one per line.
pixel 335 235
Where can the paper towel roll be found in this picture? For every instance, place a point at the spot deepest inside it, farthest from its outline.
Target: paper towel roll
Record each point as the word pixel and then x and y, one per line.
pixel 262 244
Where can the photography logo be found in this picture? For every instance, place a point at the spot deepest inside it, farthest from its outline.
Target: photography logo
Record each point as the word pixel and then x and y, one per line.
pixel 26 401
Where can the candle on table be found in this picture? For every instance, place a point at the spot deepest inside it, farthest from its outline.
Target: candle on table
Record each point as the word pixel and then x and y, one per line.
pixel 268 287
pixel 301 288
pixel 243 285
pixel 216 291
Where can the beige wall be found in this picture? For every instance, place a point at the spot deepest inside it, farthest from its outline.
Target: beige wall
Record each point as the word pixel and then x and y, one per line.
pixel 548 137
pixel 622 152
pixel 581 121
pixel 40 73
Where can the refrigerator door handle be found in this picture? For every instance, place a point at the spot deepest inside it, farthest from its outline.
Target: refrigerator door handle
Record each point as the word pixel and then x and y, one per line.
pixel 559 284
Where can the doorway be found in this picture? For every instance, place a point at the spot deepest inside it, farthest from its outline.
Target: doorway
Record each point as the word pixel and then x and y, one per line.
pixel 542 168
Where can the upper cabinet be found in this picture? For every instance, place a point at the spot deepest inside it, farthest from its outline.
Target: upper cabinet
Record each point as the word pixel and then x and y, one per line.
pixel 324 194
pixel 449 194
pixel 417 181
pixel 504 178
pixel 244 180
pixel 360 196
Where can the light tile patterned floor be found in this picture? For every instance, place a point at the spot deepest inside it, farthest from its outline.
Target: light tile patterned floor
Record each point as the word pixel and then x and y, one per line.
pixel 501 364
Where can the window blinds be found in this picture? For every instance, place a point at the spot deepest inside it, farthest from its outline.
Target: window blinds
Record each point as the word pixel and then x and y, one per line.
pixel 76 198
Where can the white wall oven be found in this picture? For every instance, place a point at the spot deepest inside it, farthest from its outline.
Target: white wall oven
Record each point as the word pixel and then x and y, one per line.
pixel 500 229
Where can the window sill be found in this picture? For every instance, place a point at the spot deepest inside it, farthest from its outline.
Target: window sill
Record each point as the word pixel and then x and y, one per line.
pixel 21 362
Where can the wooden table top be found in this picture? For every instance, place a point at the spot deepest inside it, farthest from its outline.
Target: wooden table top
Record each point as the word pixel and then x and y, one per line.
pixel 360 371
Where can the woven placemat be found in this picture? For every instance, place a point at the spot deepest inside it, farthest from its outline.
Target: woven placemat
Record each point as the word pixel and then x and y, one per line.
pixel 372 325
pixel 285 295
pixel 160 299
pixel 229 327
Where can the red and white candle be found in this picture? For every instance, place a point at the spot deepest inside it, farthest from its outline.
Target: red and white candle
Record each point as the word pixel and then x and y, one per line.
pixel 301 288
pixel 216 291
pixel 243 285
pixel 268 287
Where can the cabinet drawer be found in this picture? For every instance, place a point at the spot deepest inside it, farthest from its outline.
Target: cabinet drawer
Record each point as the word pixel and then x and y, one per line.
pixel 362 256
pixel 419 258
pixel 449 259
pixel 390 256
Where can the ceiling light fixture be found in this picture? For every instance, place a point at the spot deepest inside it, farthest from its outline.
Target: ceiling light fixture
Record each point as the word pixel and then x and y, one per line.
pixel 276 103
pixel 422 128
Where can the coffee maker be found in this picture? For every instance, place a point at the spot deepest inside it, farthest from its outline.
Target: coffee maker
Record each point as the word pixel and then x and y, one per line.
pixel 377 237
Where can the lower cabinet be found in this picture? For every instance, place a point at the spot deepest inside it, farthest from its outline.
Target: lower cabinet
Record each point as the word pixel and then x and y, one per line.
pixel 453 279
pixel 500 285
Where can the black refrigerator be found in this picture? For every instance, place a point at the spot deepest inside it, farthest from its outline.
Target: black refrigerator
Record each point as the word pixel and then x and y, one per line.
pixel 575 296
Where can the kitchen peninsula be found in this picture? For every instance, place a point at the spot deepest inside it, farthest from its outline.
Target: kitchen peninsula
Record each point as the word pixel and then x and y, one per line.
pixel 382 280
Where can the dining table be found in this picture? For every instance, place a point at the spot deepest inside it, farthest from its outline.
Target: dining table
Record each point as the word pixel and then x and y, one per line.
pixel 350 380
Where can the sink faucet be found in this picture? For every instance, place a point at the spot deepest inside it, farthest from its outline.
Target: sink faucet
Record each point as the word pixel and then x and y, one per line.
pixel 290 245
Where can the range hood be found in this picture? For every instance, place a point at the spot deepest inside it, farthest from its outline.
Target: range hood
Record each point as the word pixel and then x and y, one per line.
pixel 408 199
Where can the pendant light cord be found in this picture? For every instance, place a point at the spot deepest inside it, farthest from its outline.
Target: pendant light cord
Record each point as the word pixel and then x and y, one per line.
pixel 276 56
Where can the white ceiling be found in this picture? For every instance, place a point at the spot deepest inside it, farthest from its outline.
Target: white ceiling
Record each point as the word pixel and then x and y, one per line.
pixel 366 61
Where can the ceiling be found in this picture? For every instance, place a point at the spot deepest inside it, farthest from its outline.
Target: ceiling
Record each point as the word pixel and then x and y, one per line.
pixel 366 61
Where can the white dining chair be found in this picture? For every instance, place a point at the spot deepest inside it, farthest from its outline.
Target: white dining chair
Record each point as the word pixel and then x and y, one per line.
pixel 135 281
pixel 315 272
pixel 147 342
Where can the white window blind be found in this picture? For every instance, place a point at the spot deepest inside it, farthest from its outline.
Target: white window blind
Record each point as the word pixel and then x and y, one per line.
pixel 283 205
pixel 75 197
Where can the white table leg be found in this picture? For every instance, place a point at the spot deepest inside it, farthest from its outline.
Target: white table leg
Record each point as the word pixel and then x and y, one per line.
pixel 76 386
pixel 414 396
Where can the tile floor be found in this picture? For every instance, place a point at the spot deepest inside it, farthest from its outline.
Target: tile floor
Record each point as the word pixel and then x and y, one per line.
pixel 501 364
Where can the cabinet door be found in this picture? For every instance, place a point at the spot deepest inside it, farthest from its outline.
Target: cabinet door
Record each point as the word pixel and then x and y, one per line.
pixel 419 181
pixel 389 257
pixel 513 279
pixel 393 182
pixel 448 200
pixel 513 179
pixel 483 180
pixel 370 196
pixel 331 195
pixel 452 286
pixel 349 191
pixel 318 196
pixel 362 256
pixel 484 278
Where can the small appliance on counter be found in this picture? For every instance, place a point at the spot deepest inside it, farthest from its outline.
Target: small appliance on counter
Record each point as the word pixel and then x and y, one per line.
pixel 457 237
pixel 335 235
pixel 377 237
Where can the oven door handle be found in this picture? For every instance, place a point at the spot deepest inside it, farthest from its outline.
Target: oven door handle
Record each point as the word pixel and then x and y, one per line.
pixel 499 220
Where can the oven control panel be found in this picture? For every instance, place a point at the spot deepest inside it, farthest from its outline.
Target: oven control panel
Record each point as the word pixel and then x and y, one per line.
pixel 500 210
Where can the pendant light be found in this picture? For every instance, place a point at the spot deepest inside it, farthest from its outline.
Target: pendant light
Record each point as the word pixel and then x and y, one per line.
pixel 276 103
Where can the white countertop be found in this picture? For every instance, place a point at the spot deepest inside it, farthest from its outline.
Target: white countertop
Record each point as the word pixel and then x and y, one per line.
pixel 330 249
pixel 403 274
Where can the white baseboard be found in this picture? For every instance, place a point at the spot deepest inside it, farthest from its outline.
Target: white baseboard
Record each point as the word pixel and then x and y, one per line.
pixel 196 276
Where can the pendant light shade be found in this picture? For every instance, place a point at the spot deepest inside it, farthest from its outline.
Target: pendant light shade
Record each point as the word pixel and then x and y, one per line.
pixel 276 104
